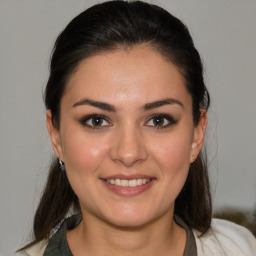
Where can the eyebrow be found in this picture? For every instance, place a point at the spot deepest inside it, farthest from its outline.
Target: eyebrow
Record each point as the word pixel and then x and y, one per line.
pixel 160 103
pixel 97 104
pixel 112 108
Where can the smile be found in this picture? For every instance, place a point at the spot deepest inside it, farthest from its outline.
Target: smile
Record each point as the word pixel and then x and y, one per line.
pixel 128 183
pixel 128 186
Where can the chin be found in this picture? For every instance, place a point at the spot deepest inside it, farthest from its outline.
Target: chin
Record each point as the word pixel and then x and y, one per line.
pixel 129 219
pixel 129 223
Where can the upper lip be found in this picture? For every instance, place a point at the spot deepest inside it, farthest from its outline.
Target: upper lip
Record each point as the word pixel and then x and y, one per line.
pixel 127 177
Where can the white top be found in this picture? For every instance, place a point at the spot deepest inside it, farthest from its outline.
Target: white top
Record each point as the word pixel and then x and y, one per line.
pixel 223 239
pixel 226 239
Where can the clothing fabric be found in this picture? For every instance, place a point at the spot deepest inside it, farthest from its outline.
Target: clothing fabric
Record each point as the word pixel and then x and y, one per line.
pixel 226 238
pixel 223 239
pixel 58 246
pixel 190 249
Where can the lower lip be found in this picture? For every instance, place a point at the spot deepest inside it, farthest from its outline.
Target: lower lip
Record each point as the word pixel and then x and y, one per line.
pixel 129 191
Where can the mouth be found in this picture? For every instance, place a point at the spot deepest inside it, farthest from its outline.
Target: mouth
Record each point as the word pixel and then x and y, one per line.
pixel 128 186
pixel 128 183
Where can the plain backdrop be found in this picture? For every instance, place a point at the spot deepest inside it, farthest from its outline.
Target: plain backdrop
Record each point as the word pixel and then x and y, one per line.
pixel 224 33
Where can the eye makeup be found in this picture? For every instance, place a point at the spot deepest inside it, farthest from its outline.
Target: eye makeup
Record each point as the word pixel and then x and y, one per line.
pixel 157 121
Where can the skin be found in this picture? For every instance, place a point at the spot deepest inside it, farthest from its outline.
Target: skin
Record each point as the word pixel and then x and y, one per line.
pixel 127 142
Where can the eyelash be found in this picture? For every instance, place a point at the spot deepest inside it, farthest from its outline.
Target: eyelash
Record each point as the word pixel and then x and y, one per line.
pixel 85 120
pixel 171 121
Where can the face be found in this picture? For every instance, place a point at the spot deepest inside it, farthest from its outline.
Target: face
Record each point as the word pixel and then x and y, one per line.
pixel 127 136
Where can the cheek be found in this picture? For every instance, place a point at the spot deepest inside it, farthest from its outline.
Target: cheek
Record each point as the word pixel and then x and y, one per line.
pixel 172 156
pixel 83 154
pixel 173 151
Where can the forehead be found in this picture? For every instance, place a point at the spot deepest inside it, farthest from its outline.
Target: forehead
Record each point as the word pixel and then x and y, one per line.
pixel 137 75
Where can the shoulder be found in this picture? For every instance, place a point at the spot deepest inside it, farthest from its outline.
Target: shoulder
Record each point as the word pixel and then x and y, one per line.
pixel 57 238
pixel 36 250
pixel 226 238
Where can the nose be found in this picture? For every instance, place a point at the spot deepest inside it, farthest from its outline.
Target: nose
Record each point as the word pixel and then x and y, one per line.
pixel 128 147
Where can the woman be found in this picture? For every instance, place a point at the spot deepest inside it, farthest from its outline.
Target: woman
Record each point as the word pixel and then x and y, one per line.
pixel 126 114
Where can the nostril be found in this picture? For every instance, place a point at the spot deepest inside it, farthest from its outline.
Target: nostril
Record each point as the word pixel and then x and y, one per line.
pixel 128 149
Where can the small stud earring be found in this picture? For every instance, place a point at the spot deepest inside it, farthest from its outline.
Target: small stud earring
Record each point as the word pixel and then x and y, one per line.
pixel 62 166
pixel 193 159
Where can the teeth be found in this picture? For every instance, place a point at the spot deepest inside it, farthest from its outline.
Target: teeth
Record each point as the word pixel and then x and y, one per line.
pixel 128 183
pixel 132 183
pixel 124 183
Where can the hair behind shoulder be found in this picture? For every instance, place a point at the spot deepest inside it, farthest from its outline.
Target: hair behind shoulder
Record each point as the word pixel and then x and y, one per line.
pixel 57 199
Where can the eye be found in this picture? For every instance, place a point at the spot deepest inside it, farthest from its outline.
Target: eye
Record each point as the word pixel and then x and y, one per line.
pixel 161 121
pixel 95 121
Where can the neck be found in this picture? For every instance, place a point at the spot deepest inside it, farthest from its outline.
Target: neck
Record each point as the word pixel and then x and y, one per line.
pixel 96 237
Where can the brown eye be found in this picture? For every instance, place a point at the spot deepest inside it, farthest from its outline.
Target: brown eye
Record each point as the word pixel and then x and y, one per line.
pixel 95 121
pixel 158 121
pixel 161 121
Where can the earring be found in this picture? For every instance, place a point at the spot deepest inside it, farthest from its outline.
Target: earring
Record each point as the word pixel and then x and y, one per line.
pixel 193 159
pixel 193 145
pixel 62 166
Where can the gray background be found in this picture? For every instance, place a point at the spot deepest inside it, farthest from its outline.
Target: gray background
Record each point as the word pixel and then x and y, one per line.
pixel 225 35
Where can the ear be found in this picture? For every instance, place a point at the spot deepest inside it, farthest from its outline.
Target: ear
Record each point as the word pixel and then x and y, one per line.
pixel 198 136
pixel 54 135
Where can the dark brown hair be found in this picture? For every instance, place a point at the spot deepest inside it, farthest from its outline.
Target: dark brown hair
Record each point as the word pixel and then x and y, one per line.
pixel 105 27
